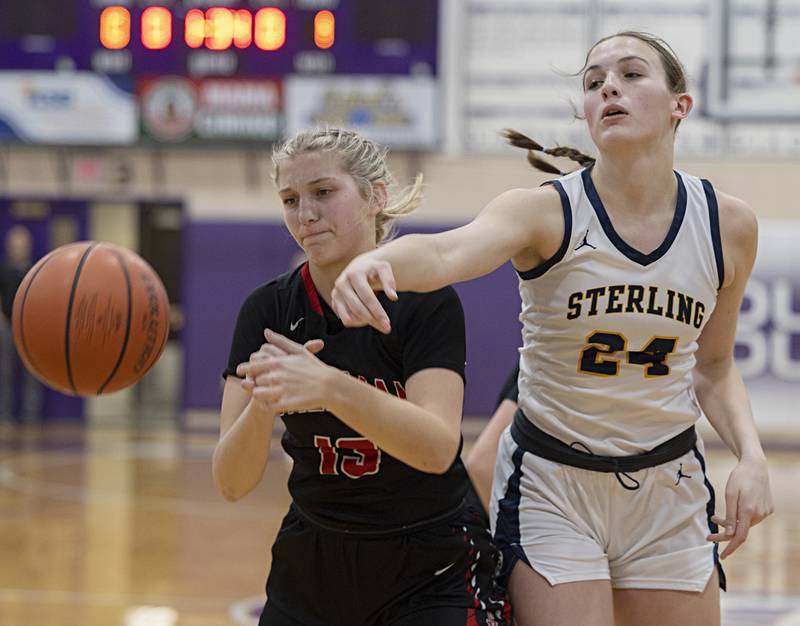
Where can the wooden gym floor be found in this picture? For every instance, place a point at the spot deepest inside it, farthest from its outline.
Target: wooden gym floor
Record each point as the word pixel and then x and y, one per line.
pixel 108 526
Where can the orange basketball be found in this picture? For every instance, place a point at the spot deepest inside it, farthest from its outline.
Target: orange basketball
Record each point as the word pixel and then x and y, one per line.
pixel 90 318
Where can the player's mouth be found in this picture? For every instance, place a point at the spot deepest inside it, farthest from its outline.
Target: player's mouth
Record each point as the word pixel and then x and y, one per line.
pixel 312 236
pixel 613 111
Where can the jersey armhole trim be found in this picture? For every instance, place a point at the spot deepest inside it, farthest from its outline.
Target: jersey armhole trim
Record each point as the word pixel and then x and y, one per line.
pixel 716 238
pixel 540 269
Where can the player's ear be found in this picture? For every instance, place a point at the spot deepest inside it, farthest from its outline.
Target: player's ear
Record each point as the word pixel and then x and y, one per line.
pixel 380 196
pixel 682 106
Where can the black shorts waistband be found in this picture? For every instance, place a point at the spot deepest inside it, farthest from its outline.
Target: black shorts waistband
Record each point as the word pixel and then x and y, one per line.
pixel 389 531
pixel 538 442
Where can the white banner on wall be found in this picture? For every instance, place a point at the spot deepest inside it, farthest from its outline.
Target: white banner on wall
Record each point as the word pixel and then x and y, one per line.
pixel 65 108
pixel 399 112
pixel 768 335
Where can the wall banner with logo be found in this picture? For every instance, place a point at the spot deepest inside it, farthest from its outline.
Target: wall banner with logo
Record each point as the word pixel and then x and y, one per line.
pixel 67 108
pixel 176 109
pixel 399 112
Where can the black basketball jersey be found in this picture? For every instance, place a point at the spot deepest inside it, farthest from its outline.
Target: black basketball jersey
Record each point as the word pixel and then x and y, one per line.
pixel 338 476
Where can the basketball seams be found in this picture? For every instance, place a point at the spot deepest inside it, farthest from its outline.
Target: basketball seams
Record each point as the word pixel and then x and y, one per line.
pixel 124 347
pixel 72 291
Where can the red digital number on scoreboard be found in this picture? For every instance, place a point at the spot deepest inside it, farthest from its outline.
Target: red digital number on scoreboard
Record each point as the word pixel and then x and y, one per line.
pixel 216 28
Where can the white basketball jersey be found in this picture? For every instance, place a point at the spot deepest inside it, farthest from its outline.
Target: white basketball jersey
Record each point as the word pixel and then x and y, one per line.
pixel 609 333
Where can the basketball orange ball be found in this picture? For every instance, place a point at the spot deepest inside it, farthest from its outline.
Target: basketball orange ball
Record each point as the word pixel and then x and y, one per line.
pixel 90 318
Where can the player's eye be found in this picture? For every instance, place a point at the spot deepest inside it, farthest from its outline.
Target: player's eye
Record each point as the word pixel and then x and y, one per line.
pixel 593 84
pixel 289 201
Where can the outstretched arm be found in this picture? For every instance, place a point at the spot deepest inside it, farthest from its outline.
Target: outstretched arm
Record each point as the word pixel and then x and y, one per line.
pixel 720 388
pixel 525 226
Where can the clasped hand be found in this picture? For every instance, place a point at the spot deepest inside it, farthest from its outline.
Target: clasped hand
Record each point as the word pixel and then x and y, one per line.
pixel 284 375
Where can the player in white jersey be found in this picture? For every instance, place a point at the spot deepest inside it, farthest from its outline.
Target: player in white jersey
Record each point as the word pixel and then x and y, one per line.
pixel 631 279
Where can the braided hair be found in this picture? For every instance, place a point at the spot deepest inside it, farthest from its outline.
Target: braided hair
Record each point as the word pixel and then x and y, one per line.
pixel 518 140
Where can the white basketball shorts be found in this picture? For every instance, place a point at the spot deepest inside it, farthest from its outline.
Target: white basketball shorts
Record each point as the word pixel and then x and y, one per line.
pixel 571 524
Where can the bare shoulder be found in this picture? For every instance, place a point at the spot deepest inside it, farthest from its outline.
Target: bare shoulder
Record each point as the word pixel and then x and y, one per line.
pixel 537 201
pixel 737 218
pixel 536 214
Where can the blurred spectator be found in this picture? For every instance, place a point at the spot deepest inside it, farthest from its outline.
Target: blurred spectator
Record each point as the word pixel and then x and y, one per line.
pixel 15 264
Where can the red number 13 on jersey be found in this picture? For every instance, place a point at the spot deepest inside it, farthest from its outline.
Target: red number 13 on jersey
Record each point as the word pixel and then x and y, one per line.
pixel 353 456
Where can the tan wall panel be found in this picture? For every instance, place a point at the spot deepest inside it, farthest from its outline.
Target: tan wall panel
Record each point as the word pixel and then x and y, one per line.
pixel 236 184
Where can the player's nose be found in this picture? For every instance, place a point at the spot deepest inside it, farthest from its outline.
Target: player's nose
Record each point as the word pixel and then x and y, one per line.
pixel 306 211
pixel 610 87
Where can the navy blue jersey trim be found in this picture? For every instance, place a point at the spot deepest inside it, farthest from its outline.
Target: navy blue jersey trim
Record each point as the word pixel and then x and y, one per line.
pixel 546 265
pixel 712 526
pixel 632 253
pixel 716 238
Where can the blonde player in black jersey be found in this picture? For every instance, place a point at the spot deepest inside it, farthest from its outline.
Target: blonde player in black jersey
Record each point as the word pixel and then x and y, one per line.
pixel 384 527
pixel 631 279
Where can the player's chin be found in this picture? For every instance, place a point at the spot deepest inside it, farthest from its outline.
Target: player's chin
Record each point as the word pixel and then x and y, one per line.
pixel 319 254
pixel 620 136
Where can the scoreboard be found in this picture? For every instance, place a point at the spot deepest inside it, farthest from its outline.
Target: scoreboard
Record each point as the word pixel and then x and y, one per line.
pixel 220 37
pixel 123 71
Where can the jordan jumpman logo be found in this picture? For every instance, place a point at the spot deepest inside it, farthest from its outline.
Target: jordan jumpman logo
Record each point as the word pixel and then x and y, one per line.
pixel 585 242
pixel 681 474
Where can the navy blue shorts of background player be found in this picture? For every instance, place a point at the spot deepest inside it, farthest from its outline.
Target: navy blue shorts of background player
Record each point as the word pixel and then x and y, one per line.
pixel 405 580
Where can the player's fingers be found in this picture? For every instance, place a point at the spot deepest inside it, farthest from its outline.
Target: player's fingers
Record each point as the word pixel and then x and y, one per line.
pixel 243 369
pixel 356 311
pixel 338 306
pixel 346 304
pixel 731 510
pixel 269 349
pixel 267 379
pixel 742 528
pixel 264 353
pixel 284 343
pixel 253 368
pixel 723 527
pixel 314 345
pixel 385 278
pixel 723 523
pixel 267 395
pixel 365 298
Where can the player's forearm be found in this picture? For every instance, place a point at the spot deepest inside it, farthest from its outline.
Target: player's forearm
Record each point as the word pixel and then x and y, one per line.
pixel 416 262
pixel 400 428
pixel 240 457
pixel 481 458
pixel 723 398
